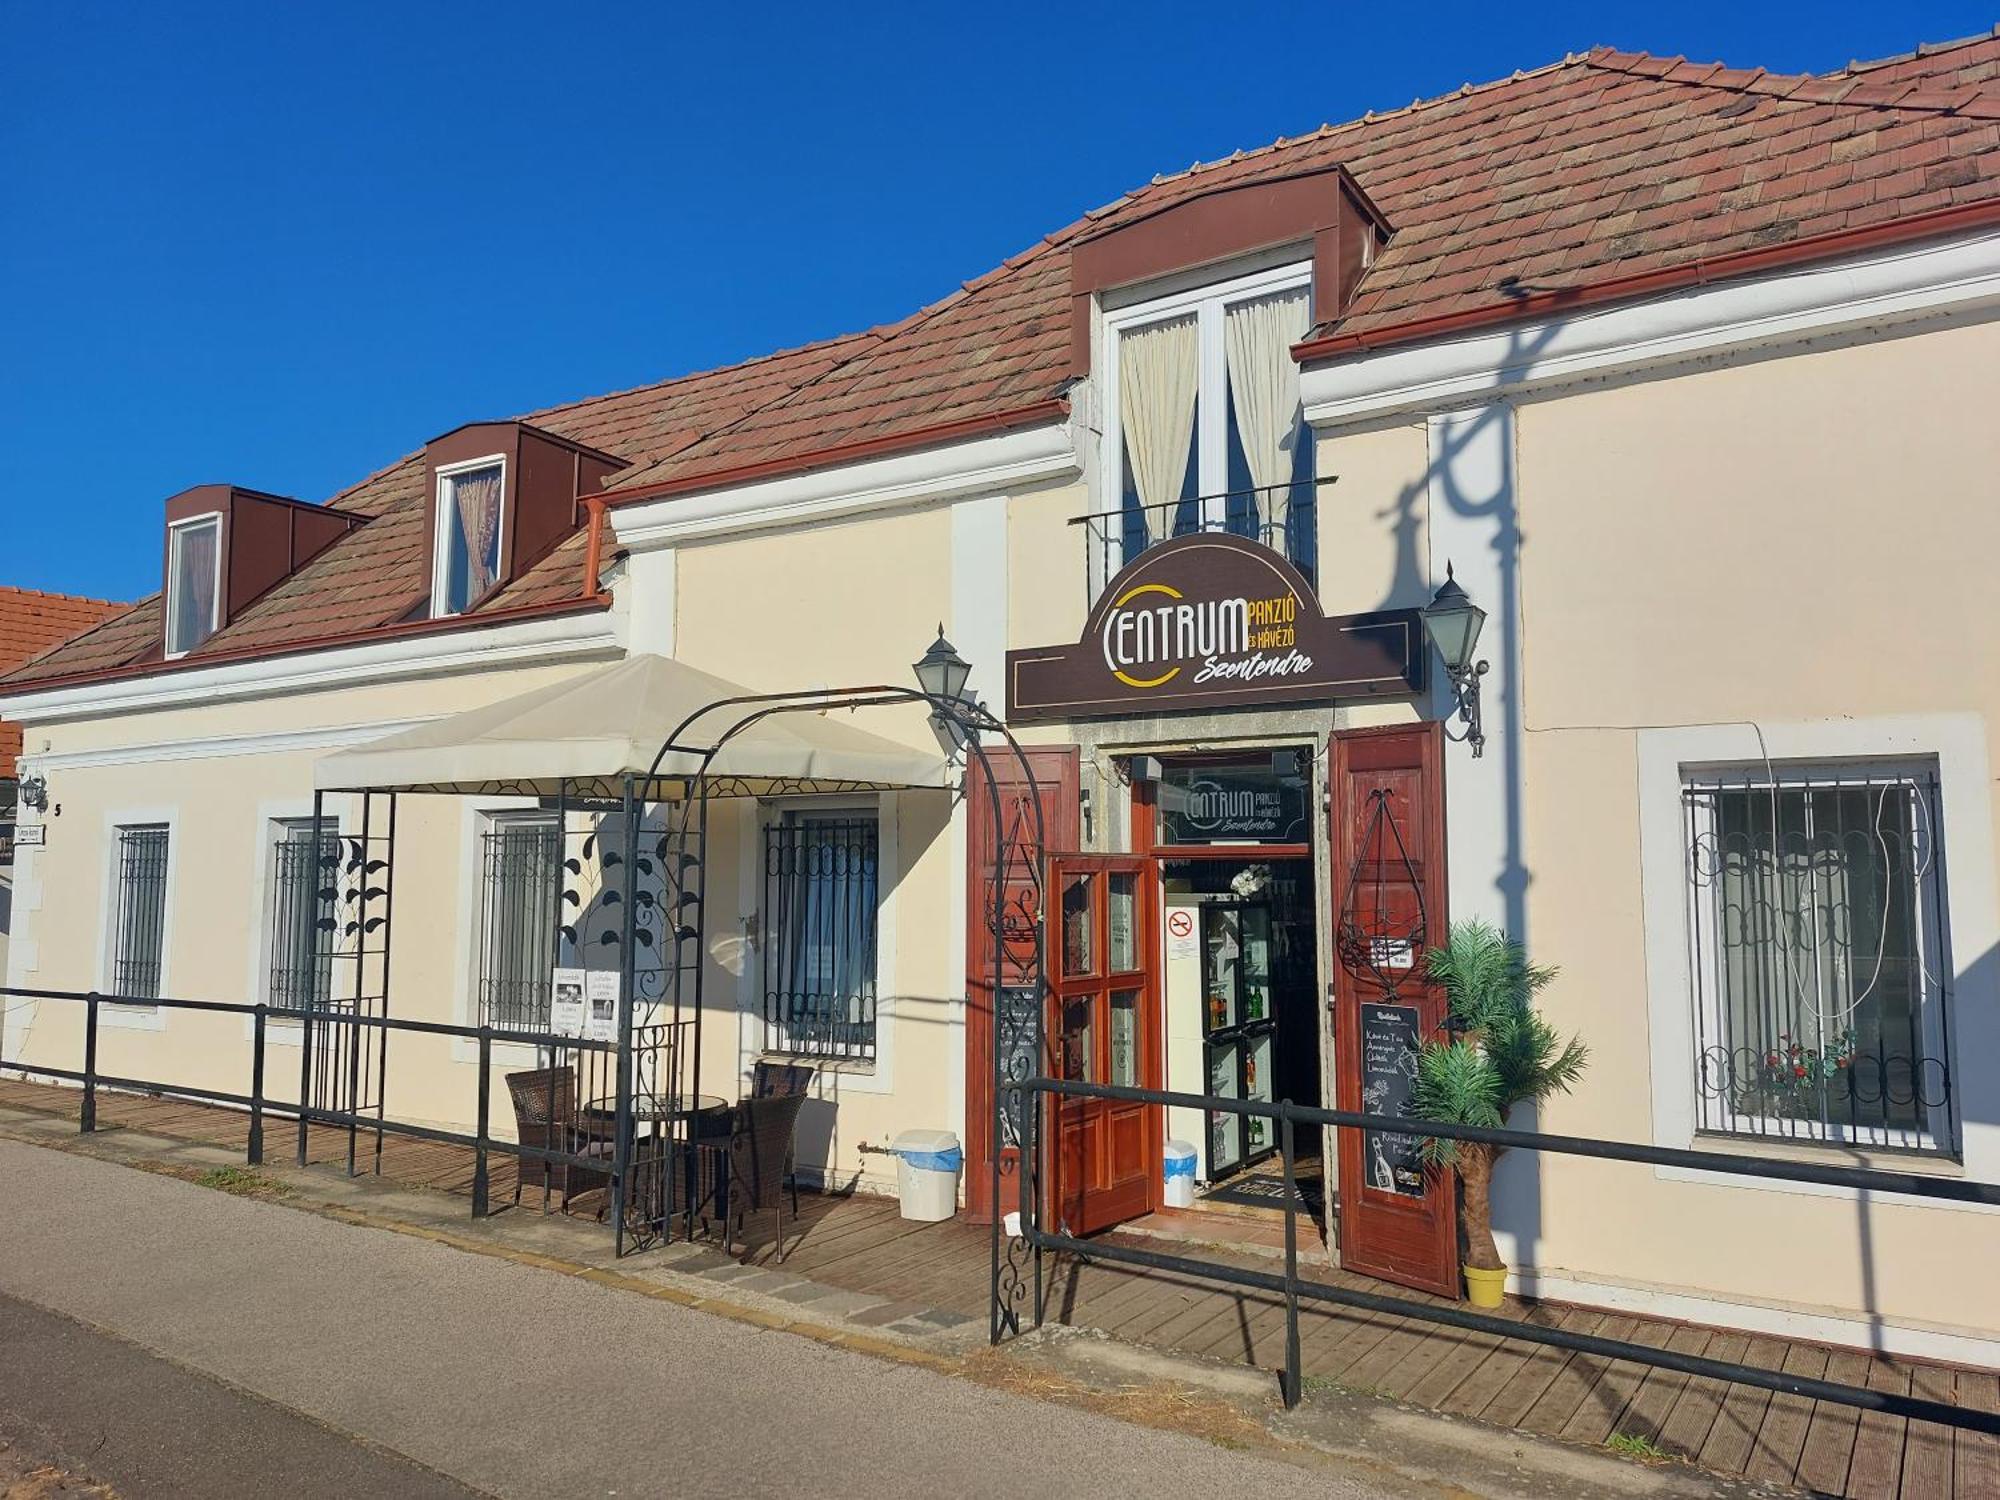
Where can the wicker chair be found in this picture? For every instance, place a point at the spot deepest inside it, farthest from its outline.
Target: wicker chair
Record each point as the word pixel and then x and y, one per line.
pixel 545 1117
pixel 745 1175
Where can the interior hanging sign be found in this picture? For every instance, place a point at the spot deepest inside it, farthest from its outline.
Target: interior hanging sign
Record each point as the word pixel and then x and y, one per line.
pixel 1214 621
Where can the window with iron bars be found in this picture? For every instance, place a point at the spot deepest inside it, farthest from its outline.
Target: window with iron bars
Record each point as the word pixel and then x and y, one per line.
pixel 304 907
pixel 1817 945
pixel 520 856
pixel 138 941
pixel 820 907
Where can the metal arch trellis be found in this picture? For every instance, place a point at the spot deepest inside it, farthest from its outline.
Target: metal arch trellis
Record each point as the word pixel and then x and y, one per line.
pixel 1016 926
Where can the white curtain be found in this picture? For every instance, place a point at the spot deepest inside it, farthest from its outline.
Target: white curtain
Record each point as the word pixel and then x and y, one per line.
pixel 477 496
pixel 1158 377
pixel 1264 391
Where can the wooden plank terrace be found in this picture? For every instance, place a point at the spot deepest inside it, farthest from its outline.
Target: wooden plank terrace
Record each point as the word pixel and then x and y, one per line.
pixel 860 1244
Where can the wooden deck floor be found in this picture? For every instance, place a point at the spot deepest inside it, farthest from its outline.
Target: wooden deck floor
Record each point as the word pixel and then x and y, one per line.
pixel 861 1244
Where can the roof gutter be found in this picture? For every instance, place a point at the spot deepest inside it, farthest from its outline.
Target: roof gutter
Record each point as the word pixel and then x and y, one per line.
pixel 365 637
pixel 1686 276
pixel 1054 409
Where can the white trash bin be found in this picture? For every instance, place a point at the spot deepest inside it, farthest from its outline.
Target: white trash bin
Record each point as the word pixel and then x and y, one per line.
pixel 927 1163
pixel 1180 1174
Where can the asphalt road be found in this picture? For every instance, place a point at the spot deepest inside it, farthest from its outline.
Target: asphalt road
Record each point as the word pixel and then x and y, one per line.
pixel 371 1363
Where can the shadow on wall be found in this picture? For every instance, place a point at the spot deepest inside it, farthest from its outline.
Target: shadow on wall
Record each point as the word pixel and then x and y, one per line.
pixel 1464 492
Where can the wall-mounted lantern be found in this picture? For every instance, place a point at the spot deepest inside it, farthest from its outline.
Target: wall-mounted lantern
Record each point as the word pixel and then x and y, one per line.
pixel 1453 623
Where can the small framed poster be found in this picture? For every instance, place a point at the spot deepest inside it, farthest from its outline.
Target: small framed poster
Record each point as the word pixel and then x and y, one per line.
pixel 31 835
pixel 600 991
pixel 566 1005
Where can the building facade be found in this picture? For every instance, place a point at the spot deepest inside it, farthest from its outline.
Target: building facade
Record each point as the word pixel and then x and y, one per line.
pixel 1684 374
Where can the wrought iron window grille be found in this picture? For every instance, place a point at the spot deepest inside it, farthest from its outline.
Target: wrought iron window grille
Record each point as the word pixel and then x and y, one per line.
pixel 821 895
pixel 1819 955
pixel 139 940
pixel 304 911
pixel 518 894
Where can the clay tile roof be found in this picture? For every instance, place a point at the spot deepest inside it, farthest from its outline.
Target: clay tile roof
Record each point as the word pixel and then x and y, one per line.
pixel 32 622
pixel 1542 186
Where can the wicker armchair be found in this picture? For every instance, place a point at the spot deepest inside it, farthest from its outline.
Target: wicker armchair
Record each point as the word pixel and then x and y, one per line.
pixel 545 1117
pixel 746 1174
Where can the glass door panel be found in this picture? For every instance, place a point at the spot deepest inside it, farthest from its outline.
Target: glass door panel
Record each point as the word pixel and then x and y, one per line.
pixel 1122 890
pixel 1077 1048
pixel 1078 928
pixel 1125 1038
pixel 1255 928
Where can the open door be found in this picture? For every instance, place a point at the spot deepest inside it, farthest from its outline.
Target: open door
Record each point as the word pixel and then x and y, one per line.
pixel 1398 1218
pixel 1102 1028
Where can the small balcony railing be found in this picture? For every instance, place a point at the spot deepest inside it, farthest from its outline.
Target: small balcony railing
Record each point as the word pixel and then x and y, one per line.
pixel 1284 518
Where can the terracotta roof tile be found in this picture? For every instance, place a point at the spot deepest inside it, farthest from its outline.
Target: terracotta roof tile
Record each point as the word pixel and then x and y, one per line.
pixel 33 622
pixel 1605 164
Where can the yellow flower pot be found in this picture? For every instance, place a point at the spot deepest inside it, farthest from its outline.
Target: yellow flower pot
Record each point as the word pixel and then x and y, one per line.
pixel 1485 1288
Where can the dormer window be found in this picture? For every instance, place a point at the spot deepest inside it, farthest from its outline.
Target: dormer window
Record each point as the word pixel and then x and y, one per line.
pixel 470 503
pixel 194 582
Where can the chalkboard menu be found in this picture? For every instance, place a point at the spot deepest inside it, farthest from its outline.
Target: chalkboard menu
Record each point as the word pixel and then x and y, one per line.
pixel 1390 1038
pixel 1236 804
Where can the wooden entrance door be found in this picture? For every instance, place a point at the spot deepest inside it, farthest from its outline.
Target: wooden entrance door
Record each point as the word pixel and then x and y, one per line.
pixel 1056 780
pixel 1102 1029
pixel 1398 1220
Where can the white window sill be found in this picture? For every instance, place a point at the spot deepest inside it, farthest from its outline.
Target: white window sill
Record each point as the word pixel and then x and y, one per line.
pixel 1833 1154
pixel 846 1067
pixel 133 1017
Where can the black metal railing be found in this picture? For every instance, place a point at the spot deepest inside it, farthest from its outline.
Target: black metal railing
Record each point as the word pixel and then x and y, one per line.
pixel 664 1059
pixel 1817 949
pixel 821 897
pixel 1284 517
pixel 1295 1289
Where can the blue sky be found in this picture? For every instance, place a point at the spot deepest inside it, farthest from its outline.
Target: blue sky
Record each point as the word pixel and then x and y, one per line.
pixel 283 245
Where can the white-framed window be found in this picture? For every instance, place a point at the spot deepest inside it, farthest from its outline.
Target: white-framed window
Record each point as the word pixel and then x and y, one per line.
pixel 821 932
pixel 520 858
pixel 194 582
pixel 140 870
pixel 1203 426
pixel 1818 953
pixel 303 912
pixel 470 530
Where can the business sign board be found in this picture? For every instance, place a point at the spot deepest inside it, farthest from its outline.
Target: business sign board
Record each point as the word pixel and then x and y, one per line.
pixel 1213 621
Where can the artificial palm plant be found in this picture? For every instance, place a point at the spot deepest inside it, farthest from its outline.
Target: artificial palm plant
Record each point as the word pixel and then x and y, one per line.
pixel 1503 1053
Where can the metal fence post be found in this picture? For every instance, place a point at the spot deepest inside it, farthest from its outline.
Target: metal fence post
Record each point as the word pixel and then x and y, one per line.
pixel 87 1114
pixel 479 1135
pixel 255 1155
pixel 1293 1382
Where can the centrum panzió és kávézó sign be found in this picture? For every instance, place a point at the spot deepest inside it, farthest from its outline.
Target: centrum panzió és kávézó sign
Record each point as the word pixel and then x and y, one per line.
pixel 1209 621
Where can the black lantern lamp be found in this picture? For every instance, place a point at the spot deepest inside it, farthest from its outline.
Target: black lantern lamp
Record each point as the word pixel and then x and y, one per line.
pixel 942 674
pixel 1453 622
pixel 941 671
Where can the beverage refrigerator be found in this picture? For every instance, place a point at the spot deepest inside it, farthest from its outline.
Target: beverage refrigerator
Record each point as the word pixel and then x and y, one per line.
pixel 1238 1029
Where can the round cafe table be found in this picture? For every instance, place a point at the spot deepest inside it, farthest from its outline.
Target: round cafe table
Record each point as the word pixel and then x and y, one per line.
pixel 652 1115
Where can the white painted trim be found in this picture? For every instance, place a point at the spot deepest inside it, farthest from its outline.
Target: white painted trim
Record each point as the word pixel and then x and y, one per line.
pixel 1781 1320
pixel 536 642
pixel 1972 899
pixel 174 529
pixel 222 747
pixel 1008 460
pixel 135 1017
pixel 441 517
pixel 1761 313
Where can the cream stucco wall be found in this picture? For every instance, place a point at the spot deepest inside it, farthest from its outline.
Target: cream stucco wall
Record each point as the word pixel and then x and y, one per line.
pixel 1802 544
